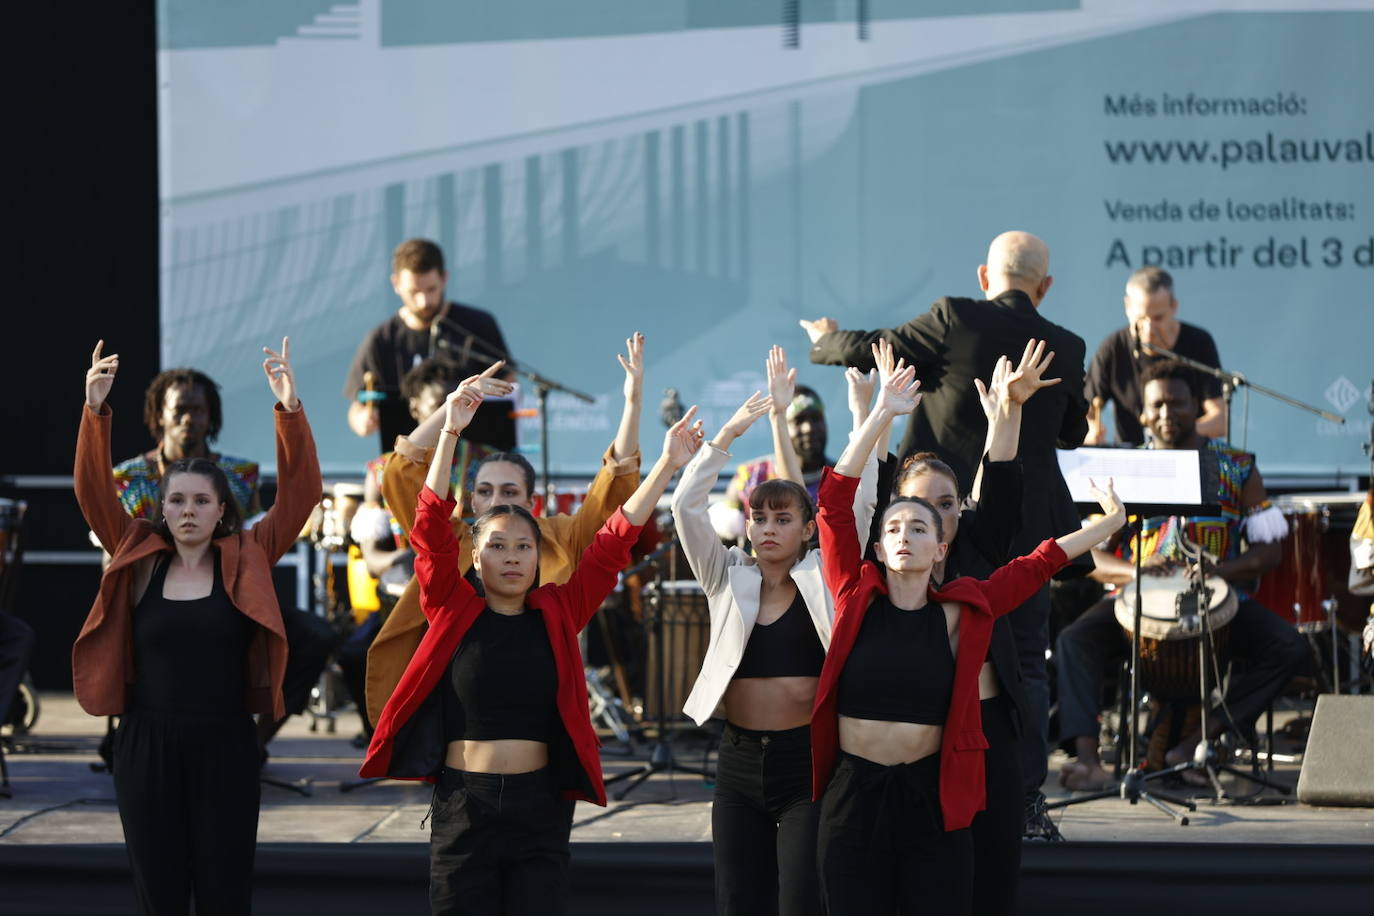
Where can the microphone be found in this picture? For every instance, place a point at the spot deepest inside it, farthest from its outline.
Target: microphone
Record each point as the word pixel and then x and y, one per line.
pixel 1135 341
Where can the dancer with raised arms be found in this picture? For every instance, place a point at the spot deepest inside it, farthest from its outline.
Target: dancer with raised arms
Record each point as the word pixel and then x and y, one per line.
pixel 770 624
pixel 185 641
pixel 493 706
pixel 897 739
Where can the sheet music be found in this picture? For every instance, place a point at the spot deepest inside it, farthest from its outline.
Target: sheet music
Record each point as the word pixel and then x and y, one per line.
pixel 1153 476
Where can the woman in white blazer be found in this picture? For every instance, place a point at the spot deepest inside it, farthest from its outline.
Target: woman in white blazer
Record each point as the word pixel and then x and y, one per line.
pixel 771 615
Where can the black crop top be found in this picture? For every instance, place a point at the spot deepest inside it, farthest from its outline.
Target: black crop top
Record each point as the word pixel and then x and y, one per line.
pixel 787 647
pixel 190 656
pixel 502 682
pixel 901 668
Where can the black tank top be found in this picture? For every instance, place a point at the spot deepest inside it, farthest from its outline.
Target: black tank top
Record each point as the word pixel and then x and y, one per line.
pixel 190 656
pixel 502 682
pixel 901 668
pixel 787 647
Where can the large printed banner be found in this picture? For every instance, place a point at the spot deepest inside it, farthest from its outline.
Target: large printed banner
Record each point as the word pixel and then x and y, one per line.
pixel 710 171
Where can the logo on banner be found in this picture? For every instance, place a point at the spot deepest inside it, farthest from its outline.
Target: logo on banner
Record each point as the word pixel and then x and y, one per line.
pixel 1342 394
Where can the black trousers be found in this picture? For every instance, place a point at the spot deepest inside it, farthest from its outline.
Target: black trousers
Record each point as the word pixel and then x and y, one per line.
pixel 997 829
pixel 1030 625
pixel 498 845
pixel 352 658
pixel 1267 649
pixel 764 823
pixel 187 789
pixel 309 640
pixel 883 846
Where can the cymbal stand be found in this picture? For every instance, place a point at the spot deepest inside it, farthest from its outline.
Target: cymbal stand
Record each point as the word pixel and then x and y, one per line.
pixel 1132 788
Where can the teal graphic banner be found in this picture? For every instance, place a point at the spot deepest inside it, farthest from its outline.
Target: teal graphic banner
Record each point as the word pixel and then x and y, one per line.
pixel 710 172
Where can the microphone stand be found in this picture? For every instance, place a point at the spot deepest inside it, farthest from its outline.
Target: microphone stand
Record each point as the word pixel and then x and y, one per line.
pixel 476 346
pixel 1230 382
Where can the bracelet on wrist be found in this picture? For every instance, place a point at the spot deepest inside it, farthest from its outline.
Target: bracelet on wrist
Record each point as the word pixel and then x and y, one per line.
pixel 452 432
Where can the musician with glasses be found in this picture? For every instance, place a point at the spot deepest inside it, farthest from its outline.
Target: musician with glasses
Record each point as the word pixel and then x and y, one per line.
pixel 1244 540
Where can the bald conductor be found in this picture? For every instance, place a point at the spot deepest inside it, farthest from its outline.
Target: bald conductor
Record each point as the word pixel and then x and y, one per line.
pixel 953 343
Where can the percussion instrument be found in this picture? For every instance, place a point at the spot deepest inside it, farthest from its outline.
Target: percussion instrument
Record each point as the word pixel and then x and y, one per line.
pixel 1314 562
pixel 685 627
pixel 329 521
pixel 1170 625
pixel 362 587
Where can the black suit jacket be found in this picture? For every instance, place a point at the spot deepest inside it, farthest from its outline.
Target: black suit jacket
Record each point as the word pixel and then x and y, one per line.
pixel 957 341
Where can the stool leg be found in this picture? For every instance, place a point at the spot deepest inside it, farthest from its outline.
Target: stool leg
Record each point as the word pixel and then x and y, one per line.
pixel 1269 736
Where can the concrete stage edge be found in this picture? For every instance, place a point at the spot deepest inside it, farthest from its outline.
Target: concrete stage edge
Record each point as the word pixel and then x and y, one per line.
pixel 665 879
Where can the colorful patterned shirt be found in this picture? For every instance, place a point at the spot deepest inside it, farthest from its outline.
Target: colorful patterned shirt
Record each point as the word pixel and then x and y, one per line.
pixel 138 484
pixel 1219 535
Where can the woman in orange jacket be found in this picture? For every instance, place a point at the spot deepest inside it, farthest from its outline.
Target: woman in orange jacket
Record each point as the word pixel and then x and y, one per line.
pixel 185 642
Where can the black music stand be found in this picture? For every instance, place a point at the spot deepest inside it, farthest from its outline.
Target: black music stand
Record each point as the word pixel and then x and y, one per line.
pixel 1205 756
pixel 661 757
pixel 1125 466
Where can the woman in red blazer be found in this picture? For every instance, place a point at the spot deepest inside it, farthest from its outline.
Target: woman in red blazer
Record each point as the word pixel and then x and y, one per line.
pixel 897 742
pixel 493 705
pixel 185 640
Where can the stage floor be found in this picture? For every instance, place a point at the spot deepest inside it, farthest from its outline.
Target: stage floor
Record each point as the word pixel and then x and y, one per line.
pixel 364 851
pixel 59 799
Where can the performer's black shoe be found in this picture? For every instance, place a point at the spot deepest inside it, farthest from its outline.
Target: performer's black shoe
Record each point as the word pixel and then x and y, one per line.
pixel 1039 825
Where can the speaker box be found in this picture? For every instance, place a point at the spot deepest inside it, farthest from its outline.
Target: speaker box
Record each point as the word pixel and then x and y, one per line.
pixel 1338 767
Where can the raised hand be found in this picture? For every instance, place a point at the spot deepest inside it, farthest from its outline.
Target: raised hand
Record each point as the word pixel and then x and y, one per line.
pixel 993 396
pixel 1106 498
pixel 280 378
pixel 883 358
pixel 744 417
pixel 683 439
pixel 462 402
pixel 100 377
pixel 861 386
pixel 818 328
pixel 782 382
pixel 490 386
pixel 1027 378
pixel 633 364
pixel 899 395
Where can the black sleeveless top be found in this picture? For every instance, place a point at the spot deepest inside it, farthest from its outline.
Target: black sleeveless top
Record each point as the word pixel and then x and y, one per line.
pixel 787 647
pixel 502 682
pixel 901 668
pixel 190 656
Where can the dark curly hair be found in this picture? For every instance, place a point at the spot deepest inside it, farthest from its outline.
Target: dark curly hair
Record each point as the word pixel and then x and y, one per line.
pixel 156 394
pixel 428 372
pixel 1172 370
pixel 230 522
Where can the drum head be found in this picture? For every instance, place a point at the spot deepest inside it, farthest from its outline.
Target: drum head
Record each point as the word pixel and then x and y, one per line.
pixel 1160 606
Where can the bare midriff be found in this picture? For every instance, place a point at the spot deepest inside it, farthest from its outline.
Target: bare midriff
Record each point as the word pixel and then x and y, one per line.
pixel 770 703
pixel 987 682
pixel 889 743
pixel 507 756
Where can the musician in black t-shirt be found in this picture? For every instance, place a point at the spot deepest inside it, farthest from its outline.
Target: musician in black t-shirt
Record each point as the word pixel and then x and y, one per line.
pixel 1152 318
pixel 426 325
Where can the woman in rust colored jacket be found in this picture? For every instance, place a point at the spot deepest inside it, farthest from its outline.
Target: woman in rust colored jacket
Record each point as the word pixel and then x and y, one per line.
pixel 185 642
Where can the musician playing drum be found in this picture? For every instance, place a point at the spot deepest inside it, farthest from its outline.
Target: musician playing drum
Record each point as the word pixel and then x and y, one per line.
pixel 1270 649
